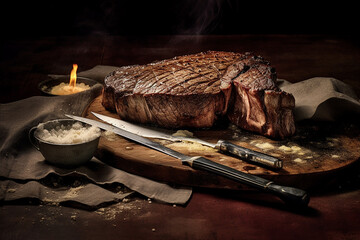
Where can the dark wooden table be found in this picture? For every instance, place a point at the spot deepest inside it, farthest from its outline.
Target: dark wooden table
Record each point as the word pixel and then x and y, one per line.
pixel 333 212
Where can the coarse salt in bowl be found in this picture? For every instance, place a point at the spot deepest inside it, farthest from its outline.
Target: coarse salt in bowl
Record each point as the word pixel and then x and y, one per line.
pixel 65 142
pixel 68 134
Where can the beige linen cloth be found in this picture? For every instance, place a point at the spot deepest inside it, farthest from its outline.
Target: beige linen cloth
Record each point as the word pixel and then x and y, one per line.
pixel 322 99
pixel 22 168
pixel 23 171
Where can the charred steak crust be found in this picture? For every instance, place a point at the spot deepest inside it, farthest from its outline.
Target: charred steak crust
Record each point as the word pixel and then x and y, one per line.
pixel 194 90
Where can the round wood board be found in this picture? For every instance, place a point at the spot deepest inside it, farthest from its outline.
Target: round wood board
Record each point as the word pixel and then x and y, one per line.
pixel 315 155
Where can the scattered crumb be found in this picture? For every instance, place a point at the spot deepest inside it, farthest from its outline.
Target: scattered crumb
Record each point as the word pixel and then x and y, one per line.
pixel 235 136
pixel 233 127
pixel 332 139
pixel 265 146
pixel 129 148
pixel 285 148
pixel 298 160
pixel 335 156
pixel 153 229
pixel 112 211
pixel 183 133
pixel 109 135
pixel 73 192
pixel 295 148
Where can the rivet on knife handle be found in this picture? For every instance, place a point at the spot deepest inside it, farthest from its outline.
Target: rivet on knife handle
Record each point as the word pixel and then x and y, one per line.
pixel 249 155
pixel 292 196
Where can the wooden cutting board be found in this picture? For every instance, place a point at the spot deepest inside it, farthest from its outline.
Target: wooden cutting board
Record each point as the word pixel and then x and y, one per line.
pixel 314 156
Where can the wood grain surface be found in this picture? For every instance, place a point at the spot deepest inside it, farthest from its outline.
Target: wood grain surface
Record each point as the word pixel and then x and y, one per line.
pixel 312 157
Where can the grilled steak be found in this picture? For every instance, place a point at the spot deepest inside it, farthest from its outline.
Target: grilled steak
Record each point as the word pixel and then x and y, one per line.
pixel 194 90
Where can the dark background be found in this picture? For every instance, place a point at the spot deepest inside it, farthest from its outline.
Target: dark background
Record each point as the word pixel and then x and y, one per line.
pixel 46 37
pixel 135 17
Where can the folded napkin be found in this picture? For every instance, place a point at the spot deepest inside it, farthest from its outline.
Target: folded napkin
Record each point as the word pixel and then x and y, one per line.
pixel 322 99
pixel 23 170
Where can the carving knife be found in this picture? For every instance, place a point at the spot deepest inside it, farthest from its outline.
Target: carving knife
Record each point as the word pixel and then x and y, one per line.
pixel 293 196
pixel 222 145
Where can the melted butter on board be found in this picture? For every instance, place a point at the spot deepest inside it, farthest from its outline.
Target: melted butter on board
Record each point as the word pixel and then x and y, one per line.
pixel 313 145
pixel 311 149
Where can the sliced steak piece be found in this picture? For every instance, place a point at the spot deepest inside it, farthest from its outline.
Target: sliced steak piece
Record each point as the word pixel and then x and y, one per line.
pixel 194 90
pixel 258 104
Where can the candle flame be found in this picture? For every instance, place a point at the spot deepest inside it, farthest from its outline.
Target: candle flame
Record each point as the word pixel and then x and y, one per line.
pixel 73 76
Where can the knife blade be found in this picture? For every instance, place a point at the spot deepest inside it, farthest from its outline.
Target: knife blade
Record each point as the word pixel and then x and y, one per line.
pixel 222 145
pixel 293 196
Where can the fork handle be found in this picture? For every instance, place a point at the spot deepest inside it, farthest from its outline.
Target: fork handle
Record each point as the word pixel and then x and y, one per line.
pixel 249 155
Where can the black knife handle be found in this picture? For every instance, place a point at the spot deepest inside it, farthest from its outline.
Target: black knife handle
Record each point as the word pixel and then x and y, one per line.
pixel 290 195
pixel 249 155
pixel 293 196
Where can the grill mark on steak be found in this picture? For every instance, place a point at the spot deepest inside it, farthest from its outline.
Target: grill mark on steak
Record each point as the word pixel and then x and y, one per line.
pixel 167 86
pixel 189 81
pixel 194 90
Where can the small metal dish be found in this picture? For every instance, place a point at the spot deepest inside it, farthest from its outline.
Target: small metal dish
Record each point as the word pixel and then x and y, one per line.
pixel 46 85
pixel 63 155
